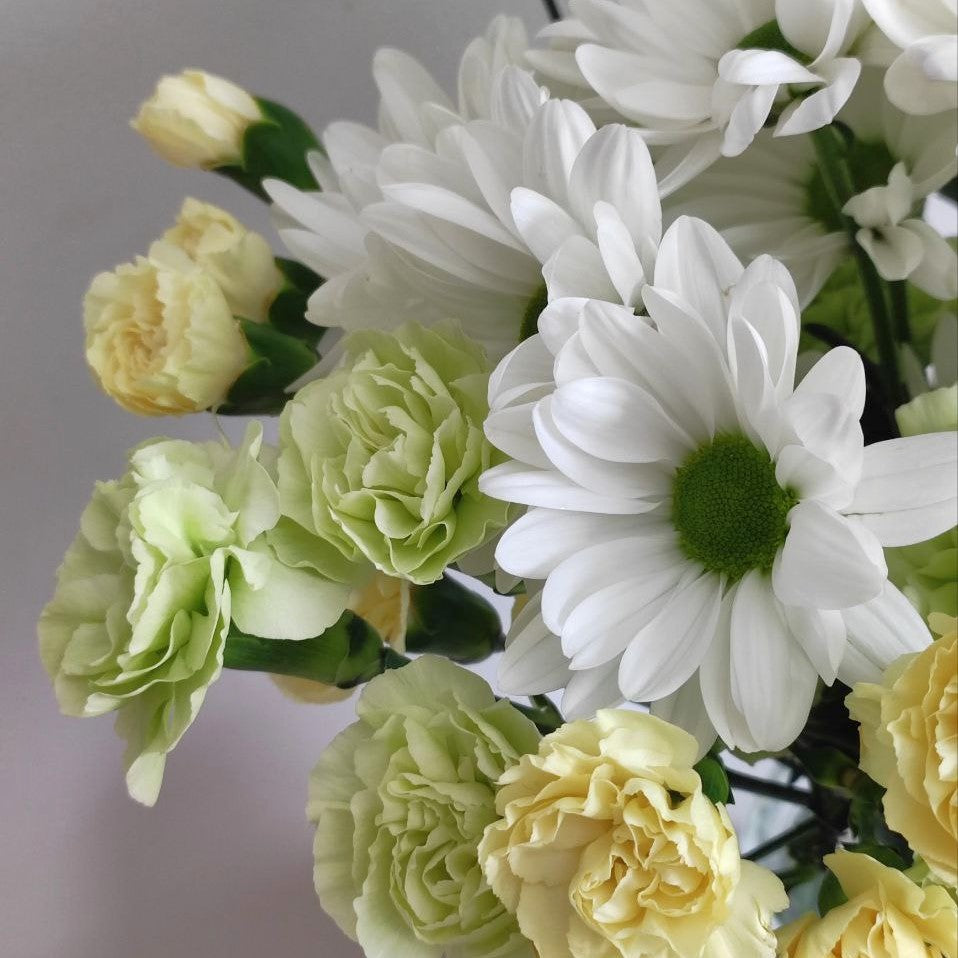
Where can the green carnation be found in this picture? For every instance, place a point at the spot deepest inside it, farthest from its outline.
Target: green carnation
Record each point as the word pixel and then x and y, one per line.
pixel 934 411
pixel 165 559
pixel 401 799
pixel 383 457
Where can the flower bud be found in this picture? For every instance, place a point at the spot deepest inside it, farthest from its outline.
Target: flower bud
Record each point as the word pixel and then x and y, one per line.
pixel 197 120
pixel 162 341
pixel 239 259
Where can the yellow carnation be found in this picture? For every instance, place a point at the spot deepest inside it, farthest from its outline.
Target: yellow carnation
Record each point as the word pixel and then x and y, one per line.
pixel 886 914
pixel 239 259
pixel 162 341
pixel 909 744
pixel 197 120
pixel 606 846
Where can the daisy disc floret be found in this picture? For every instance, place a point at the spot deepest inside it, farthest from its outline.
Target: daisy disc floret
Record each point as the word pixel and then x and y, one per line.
pixel 709 533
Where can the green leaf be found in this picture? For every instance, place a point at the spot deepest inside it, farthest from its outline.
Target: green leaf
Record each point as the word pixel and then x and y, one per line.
pixel 449 619
pixel 287 313
pixel 714 781
pixel 276 147
pixel 277 360
pixel 346 654
pixel 830 895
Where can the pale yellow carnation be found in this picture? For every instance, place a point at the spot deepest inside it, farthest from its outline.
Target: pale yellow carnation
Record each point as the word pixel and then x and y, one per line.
pixel 197 120
pixel 162 341
pixel 886 915
pixel 606 846
pixel 909 744
pixel 239 259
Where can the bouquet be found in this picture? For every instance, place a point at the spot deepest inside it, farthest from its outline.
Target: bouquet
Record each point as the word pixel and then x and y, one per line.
pixel 644 328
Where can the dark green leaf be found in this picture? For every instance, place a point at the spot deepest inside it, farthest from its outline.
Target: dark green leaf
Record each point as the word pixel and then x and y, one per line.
pixel 346 654
pixel 449 619
pixel 830 895
pixel 276 361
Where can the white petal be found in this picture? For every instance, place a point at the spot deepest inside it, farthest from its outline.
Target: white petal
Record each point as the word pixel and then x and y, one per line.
pixel 839 372
pixel 603 625
pixel 909 481
pixel 615 167
pixel 591 690
pixel 686 709
pixel 537 542
pixel 670 648
pixel 879 632
pixel 937 273
pixel 511 430
pixel 542 223
pixel 818 109
pixel 748 117
pixel 576 269
pixel 602 564
pixel 773 682
pixel 758 67
pixel 619 255
pixel 895 250
pixel 559 322
pixel 616 420
pixel 516 482
pixel 533 662
pixel 697 264
pixel 554 139
pixel 822 635
pixel 919 81
pixel 825 564
pixel 527 367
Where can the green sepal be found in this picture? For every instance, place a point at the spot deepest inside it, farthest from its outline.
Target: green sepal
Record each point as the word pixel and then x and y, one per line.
pixel 275 146
pixel 276 361
pixel 542 712
pixel 345 655
pixel 447 618
pixel 715 782
pixel 287 313
pixel 830 895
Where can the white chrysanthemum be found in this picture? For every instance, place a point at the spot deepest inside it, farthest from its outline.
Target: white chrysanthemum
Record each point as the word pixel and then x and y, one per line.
pixel 773 200
pixel 707 532
pixel 394 229
pixel 923 77
pixel 708 73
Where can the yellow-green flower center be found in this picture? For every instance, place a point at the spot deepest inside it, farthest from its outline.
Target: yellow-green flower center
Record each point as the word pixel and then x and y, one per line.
pixel 728 508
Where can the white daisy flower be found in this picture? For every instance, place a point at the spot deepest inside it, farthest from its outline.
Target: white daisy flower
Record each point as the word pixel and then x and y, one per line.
pixel 346 231
pixel 923 77
pixel 710 536
pixel 708 74
pixel 773 200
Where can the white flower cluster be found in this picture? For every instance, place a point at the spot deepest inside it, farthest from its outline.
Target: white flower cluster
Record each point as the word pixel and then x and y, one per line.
pixel 646 326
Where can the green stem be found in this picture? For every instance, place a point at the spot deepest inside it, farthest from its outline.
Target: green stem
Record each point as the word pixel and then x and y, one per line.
pixel 542 712
pixel 839 184
pixel 776 790
pixel 898 298
pixel 807 827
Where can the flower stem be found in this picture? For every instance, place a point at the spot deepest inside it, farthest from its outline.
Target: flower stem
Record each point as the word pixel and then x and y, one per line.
pixel 800 830
pixel 837 177
pixel 552 8
pixel 759 786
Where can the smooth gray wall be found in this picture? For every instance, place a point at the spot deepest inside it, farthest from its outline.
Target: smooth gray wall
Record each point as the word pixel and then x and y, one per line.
pixel 222 866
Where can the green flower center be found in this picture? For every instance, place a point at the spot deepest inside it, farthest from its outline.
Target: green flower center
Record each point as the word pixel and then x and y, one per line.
pixel 869 164
pixel 728 508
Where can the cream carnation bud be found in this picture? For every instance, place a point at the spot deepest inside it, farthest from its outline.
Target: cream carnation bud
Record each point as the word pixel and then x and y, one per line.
pixel 197 120
pixel 162 341
pixel 239 259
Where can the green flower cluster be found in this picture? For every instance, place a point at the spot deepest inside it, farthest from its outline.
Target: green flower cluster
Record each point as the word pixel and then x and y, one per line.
pixel 166 558
pixel 382 458
pixel 401 799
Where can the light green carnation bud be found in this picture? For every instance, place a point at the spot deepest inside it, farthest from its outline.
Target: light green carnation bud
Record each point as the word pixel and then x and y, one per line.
pixel 166 558
pixel 382 458
pixel 401 799
pixel 927 572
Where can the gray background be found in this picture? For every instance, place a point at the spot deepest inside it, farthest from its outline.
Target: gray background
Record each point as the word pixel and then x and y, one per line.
pixel 222 866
